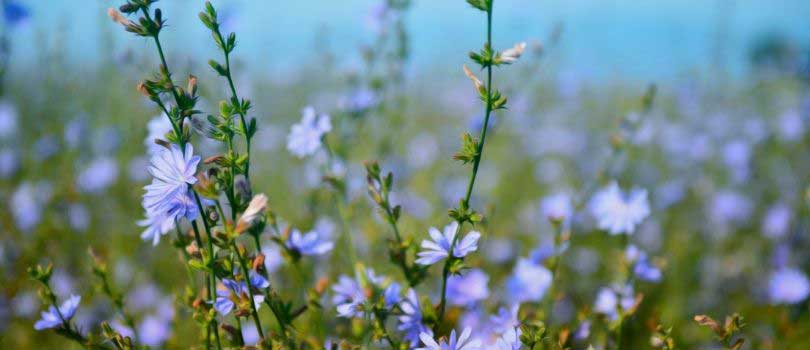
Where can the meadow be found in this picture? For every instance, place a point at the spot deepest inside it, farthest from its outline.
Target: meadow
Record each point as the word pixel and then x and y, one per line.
pixel 156 199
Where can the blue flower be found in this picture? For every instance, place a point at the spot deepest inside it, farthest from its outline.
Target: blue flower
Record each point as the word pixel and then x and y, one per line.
pixel 168 198
pixel 391 295
pixel 305 137
pixel 463 342
pixel 529 281
pixel 310 243
pixel 349 297
pixel 788 286
pixel 410 322
pixel 54 318
pixel 237 291
pixel 439 247
pixel 467 289
pixel 619 213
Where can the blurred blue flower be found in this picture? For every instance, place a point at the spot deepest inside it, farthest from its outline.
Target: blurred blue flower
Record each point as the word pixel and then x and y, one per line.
pixel 154 330
pixel 619 213
pixel 305 137
pixel 439 247
pixel 608 300
pixel 788 286
pixel 790 126
pixel 45 147
pixel 528 282
pixel 509 340
pixel 14 13
pixel 410 322
pixel 26 205
pixel 360 101
pixel 506 318
pixel 642 268
pixel 468 288
pixel 98 175
pixel 463 342
pixel 8 119
pixel 776 222
pixel 557 207
pixel 307 244
pixel 9 163
pixel 54 317
pixel 78 217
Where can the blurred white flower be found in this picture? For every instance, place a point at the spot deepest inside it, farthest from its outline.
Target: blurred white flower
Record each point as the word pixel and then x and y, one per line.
pixel 305 137
pixel 617 212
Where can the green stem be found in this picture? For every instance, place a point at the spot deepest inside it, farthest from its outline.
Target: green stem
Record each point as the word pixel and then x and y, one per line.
pixel 476 163
pixel 235 98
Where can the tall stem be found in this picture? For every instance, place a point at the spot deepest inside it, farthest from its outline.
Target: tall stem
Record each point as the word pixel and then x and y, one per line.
pixel 476 163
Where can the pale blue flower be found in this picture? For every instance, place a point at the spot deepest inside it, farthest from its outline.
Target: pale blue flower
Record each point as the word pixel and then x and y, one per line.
pixel 618 213
pixel 788 286
pixel 310 243
pixel 410 322
pixel 172 170
pixel 439 247
pixel 157 128
pixel 168 197
pixel 529 281
pixel 349 297
pixel 305 137
pixel 54 318
pixel 463 342
pixel 509 340
pixel 468 288
pixel 160 220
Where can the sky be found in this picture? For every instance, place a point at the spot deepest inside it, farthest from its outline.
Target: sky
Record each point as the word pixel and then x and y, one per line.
pixel 627 39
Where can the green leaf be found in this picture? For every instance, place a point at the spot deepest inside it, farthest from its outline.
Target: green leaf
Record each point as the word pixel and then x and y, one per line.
pixel 482 5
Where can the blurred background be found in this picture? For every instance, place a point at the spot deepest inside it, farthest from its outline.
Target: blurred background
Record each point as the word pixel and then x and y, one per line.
pixel 723 150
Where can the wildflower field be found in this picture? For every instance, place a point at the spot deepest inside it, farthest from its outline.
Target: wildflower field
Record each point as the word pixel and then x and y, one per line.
pixel 162 197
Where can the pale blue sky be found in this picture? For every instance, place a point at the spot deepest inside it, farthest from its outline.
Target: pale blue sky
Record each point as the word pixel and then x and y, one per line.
pixel 632 39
